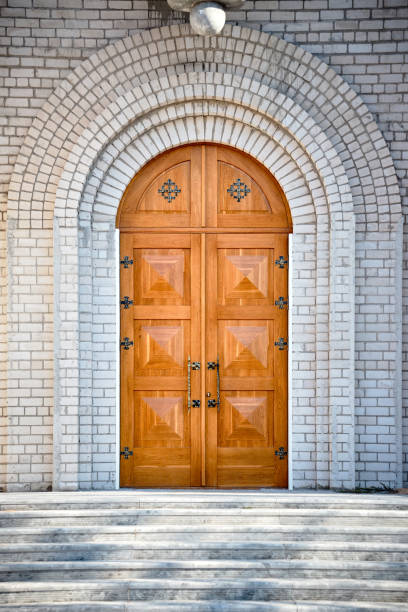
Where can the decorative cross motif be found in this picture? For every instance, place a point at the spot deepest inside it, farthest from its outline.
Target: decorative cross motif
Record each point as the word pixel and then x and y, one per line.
pixel 126 343
pixel 281 303
pixel 126 262
pixel 238 190
pixel 281 453
pixel 126 453
pixel 169 190
pixel 282 344
pixel 281 262
pixel 196 365
pixel 196 403
pixel 126 302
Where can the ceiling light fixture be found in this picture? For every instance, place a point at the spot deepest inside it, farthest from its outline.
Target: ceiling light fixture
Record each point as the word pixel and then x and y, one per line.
pixel 206 18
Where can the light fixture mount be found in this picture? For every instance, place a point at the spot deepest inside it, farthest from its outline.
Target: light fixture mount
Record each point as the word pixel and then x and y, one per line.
pixel 206 18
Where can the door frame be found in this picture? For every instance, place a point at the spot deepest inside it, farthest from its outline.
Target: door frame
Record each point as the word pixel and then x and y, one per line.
pixel 117 337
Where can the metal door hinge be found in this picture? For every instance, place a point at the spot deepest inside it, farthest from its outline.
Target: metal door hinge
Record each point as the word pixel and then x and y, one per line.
pixel 126 302
pixel 281 453
pixel 126 453
pixel 282 343
pixel 126 343
pixel 281 302
pixel 196 403
pixel 281 262
pixel 126 262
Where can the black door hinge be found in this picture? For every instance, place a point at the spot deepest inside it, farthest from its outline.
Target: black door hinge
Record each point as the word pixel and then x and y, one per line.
pixel 126 302
pixel 126 453
pixel 126 343
pixel 281 453
pixel 281 262
pixel 282 344
pixel 126 262
pixel 281 302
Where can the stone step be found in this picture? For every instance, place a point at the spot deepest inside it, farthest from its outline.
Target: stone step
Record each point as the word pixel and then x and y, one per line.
pixel 220 549
pixel 209 551
pixel 102 516
pixel 208 606
pixel 198 570
pixel 270 498
pixel 200 533
pixel 261 589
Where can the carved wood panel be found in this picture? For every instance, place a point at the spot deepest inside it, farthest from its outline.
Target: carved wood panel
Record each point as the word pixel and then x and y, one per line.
pixel 205 186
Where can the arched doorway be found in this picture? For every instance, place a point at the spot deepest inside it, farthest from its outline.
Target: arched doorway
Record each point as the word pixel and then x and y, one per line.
pixel 204 323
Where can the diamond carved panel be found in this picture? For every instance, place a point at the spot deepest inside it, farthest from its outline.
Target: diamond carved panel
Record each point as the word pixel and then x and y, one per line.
pixel 165 275
pixel 161 347
pixel 246 347
pixel 163 418
pixel 244 421
pixel 246 276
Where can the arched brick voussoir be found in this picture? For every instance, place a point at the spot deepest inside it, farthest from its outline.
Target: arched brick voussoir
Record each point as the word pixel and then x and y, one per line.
pixel 114 173
pixel 266 60
pixel 301 137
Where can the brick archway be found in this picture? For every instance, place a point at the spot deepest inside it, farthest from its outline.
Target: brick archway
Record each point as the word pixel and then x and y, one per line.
pixel 268 107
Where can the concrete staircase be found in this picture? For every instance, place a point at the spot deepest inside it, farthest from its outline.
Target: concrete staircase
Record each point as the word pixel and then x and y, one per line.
pixel 203 550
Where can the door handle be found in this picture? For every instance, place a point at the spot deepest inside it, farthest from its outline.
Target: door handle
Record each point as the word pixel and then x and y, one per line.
pixel 215 365
pixel 188 383
pixel 191 366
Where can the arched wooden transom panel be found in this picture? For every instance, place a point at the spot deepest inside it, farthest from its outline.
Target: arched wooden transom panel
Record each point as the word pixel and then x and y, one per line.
pixel 204 186
pixel 204 299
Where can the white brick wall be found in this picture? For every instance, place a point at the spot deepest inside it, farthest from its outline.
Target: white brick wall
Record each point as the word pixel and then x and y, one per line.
pixel 364 43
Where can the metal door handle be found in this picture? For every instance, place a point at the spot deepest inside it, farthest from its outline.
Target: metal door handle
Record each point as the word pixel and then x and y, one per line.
pixel 218 384
pixel 215 365
pixel 191 366
pixel 188 383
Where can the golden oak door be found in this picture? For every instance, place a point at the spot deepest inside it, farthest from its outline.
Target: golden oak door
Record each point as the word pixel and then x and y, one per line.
pixel 204 296
pixel 247 337
pixel 160 329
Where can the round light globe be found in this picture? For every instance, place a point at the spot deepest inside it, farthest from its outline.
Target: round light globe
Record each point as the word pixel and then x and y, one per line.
pixel 207 18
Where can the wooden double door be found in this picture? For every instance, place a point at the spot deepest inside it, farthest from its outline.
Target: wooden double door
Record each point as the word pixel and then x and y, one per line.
pixel 204 323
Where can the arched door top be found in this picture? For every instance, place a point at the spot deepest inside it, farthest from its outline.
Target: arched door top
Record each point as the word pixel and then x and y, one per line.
pixel 204 185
